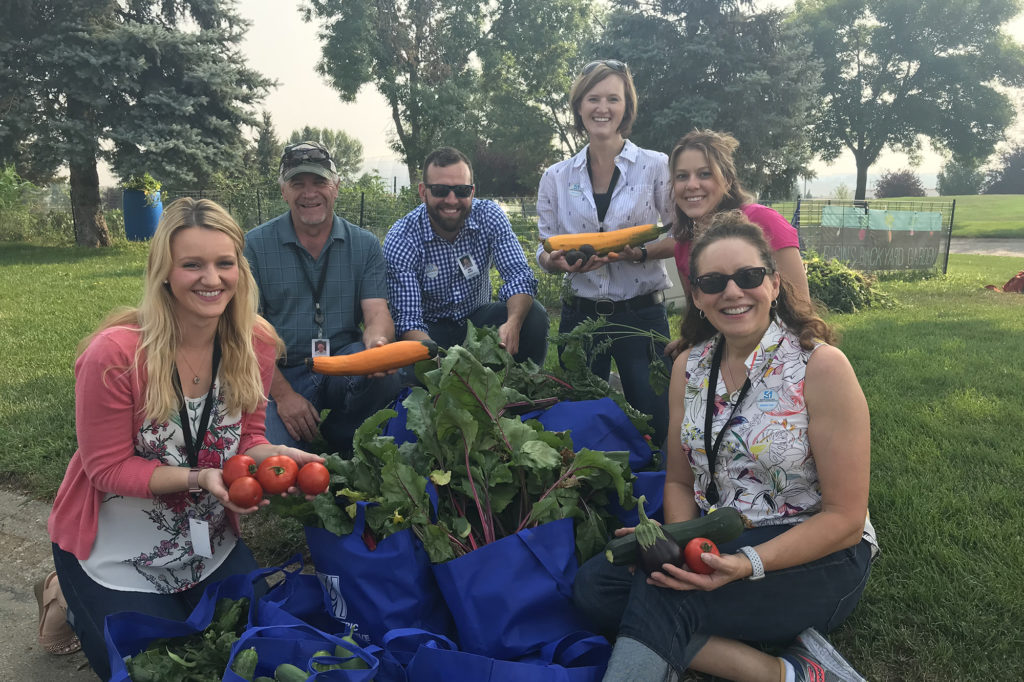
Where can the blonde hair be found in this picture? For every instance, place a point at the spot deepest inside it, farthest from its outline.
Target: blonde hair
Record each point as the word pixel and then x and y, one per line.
pixel 718 149
pixel 586 81
pixel 160 334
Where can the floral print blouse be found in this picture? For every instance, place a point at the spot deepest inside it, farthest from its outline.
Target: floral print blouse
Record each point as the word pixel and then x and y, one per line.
pixel 145 544
pixel 765 468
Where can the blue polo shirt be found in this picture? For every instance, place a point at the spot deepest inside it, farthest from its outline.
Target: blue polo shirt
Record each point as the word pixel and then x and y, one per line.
pixel 287 275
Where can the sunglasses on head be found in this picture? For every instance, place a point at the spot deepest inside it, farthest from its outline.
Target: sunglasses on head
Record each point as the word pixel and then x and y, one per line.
pixel 298 154
pixel 441 191
pixel 613 64
pixel 745 278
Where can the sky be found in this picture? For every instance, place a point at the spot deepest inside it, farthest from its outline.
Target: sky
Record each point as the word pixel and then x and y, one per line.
pixel 281 46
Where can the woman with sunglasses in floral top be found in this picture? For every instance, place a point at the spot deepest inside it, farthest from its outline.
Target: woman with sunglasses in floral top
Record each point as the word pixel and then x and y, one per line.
pixel 609 185
pixel 786 424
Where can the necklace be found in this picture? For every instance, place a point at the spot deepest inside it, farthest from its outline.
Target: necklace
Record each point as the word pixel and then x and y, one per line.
pixel 195 377
pixel 728 372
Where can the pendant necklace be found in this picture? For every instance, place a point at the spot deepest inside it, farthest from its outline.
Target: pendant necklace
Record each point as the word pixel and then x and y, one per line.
pixel 195 377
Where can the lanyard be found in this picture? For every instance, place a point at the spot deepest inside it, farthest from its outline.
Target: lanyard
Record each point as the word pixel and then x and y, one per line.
pixel 318 313
pixel 192 445
pixel 712 450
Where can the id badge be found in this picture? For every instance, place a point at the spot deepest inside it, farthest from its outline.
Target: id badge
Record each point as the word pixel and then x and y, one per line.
pixel 320 348
pixel 468 266
pixel 199 531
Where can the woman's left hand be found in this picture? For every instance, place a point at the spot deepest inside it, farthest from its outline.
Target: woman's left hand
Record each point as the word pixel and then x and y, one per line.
pixel 726 569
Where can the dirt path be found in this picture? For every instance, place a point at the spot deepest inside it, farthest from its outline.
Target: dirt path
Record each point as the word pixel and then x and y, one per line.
pixel 987 247
pixel 25 549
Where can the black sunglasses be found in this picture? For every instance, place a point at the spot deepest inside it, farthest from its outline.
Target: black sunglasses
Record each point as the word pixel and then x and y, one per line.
pixel 745 278
pixel 441 191
pixel 613 64
pixel 303 152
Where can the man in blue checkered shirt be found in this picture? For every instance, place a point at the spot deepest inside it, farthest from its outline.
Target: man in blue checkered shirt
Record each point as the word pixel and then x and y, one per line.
pixel 439 260
pixel 322 285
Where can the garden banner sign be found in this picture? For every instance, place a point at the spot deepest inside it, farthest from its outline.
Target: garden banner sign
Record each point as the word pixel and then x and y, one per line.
pixel 878 239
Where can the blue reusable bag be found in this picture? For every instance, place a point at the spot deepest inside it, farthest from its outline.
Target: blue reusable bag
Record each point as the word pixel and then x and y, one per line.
pixel 129 632
pixel 597 425
pixel 513 596
pixel 375 591
pixel 577 657
pixel 296 644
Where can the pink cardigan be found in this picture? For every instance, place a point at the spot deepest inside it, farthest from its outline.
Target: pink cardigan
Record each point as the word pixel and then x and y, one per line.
pixel 109 396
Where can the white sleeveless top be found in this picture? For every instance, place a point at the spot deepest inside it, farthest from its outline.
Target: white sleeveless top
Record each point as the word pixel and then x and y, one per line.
pixel 144 544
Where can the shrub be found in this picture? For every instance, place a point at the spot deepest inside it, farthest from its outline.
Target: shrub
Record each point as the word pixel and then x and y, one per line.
pixel 901 183
pixel 840 288
pixel 959 178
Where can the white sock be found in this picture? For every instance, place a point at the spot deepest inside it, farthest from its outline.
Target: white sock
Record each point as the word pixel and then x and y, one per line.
pixel 790 671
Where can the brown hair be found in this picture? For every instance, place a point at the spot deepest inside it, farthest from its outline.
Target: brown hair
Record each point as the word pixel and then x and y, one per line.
pixel 444 157
pixel 791 310
pixel 585 82
pixel 718 148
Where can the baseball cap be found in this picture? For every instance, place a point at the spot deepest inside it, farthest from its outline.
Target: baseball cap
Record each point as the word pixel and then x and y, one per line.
pixel 307 157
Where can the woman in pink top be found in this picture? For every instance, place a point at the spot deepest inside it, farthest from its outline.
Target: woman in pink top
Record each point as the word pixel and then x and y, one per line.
pixel 704 183
pixel 164 394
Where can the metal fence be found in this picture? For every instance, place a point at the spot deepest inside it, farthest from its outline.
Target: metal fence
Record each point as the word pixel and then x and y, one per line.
pixel 876 234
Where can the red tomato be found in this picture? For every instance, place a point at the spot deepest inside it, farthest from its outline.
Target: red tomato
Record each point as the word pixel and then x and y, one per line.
pixel 696 547
pixel 313 478
pixel 277 473
pixel 238 466
pixel 245 491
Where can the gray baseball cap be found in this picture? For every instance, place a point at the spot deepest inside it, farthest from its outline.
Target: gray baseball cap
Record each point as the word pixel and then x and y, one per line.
pixel 307 157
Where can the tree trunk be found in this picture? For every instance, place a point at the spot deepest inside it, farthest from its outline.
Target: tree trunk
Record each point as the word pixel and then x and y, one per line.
pixel 862 178
pixel 90 227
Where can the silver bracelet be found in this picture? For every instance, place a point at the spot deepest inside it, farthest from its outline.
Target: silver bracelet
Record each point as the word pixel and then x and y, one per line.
pixel 755 562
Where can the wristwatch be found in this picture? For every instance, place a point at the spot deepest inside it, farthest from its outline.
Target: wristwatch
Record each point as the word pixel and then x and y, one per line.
pixel 643 258
pixel 193 481
pixel 755 562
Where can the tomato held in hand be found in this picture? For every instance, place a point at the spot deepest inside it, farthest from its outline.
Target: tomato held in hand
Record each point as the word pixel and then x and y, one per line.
pixel 313 478
pixel 245 492
pixel 696 547
pixel 277 473
pixel 238 466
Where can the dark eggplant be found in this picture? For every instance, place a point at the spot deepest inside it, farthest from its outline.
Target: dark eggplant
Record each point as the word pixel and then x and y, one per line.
pixel 572 257
pixel 656 549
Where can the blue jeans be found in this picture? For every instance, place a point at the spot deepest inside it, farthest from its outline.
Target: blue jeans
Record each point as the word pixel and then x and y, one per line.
pixel 633 357
pixel 350 399
pixel 676 625
pixel 89 603
pixel 533 336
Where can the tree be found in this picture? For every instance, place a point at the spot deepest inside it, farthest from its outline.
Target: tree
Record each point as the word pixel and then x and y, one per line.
pixel 901 183
pixel 895 71
pixel 720 65
pixel 267 154
pixel 149 86
pixel 958 177
pixel 427 58
pixel 1008 176
pixel 346 150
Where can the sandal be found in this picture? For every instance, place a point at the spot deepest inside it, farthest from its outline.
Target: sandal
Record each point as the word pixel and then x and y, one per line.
pixel 55 635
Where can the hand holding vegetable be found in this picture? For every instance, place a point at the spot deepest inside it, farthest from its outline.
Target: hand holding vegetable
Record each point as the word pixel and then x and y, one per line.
pixel 724 570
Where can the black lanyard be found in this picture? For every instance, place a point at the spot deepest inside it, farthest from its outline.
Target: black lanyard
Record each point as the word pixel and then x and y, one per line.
pixel 318 313
pixel 192 446
pixel 712 450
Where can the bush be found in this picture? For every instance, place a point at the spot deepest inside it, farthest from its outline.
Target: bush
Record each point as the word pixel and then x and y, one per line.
pixel 959 178
pixel 901 183
pixel 840 288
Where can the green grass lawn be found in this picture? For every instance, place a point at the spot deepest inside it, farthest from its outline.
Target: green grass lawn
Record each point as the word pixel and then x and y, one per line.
pixel 942 373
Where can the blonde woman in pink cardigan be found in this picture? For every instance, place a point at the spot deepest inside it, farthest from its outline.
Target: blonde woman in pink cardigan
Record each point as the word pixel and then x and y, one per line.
pixel 165 393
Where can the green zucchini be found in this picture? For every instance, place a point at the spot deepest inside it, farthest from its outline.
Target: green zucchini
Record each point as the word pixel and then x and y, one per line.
pixel 721 525
pixel 286 672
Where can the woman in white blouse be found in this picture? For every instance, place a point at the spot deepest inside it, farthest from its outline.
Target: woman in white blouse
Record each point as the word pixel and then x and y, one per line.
pixel 609 185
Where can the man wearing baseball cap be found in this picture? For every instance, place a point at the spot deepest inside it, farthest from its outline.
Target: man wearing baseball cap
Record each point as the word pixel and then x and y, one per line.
pixel 320 277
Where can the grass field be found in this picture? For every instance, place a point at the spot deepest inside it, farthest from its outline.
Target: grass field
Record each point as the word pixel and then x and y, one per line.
pixel 988 216
pixel 942 373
